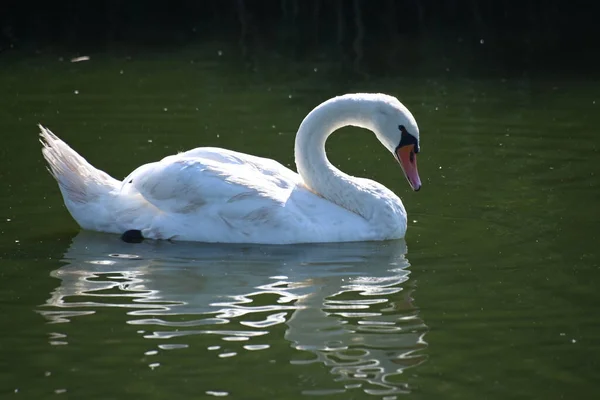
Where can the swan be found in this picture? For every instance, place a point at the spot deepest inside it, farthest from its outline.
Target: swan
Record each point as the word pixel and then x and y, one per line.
pixel 216 195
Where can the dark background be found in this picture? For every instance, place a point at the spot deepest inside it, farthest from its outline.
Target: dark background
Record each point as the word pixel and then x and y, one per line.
pixel 379 36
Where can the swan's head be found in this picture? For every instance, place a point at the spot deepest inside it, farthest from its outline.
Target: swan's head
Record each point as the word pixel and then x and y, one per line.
pixel 397 129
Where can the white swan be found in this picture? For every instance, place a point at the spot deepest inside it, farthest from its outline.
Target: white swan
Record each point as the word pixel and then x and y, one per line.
pixel 217 195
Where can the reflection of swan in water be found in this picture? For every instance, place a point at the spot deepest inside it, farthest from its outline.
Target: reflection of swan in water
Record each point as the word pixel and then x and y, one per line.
pixel 346 303
pixel 356 337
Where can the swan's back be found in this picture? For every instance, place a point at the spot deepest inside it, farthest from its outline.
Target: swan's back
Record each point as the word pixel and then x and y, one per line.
pixel 218 195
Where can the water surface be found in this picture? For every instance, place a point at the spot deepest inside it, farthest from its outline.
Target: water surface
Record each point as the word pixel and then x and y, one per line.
pixel 492 295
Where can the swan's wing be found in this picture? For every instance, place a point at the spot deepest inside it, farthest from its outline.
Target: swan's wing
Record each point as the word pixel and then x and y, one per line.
pixel 211 177
pixel 220 195
pixel 229 157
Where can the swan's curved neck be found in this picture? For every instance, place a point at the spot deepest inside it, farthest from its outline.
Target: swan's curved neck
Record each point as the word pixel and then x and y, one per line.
pixel 312 163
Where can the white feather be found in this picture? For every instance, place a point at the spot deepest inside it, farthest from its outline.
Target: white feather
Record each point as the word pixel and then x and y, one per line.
pixel 218 195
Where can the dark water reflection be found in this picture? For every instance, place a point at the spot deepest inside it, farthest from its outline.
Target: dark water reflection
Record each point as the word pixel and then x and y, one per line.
pixel 348 307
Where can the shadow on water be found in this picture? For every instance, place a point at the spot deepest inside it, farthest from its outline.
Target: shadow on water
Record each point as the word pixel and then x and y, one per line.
pixel 348 307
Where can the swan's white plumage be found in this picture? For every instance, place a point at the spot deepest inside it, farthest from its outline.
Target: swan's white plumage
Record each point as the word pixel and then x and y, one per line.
pixel 218 195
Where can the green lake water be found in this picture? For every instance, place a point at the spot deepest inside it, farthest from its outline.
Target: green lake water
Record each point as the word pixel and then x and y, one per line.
pixel 493 294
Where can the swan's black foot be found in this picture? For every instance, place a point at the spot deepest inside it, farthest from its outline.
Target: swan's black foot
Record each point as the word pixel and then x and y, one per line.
pixel 132 236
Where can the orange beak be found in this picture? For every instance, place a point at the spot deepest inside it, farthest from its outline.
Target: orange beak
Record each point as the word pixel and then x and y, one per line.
pixel 408 161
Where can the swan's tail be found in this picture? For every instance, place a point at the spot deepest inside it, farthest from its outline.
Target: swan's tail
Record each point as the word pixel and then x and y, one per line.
pixel 80 183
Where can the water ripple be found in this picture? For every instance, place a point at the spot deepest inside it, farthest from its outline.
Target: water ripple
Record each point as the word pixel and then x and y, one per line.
pixel 350 306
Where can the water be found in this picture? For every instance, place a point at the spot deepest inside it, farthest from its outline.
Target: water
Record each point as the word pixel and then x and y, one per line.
pixel 492 295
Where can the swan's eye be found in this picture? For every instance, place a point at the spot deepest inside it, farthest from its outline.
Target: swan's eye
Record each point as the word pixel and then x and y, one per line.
pixel 407 139
pixel 131 181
